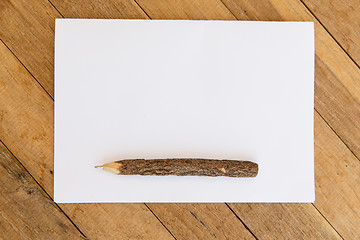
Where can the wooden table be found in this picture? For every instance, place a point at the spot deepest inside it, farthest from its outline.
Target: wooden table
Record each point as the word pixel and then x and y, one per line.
pixel 26 129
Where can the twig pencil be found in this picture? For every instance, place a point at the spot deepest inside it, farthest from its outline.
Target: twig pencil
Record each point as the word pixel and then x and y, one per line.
pixel 183 167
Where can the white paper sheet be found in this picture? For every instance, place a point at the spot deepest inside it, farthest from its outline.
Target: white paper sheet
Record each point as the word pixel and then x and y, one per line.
pixel 170 89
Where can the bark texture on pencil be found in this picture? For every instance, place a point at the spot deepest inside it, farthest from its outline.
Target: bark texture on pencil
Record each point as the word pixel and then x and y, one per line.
pixel 183 167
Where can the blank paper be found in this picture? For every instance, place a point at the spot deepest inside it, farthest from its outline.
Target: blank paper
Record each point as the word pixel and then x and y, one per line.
pixel 184 89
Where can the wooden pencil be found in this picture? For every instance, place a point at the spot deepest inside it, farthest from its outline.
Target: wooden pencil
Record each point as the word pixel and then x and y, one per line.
pixel 183 167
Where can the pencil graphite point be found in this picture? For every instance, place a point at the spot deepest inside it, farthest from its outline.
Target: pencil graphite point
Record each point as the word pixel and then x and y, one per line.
pixel 99 166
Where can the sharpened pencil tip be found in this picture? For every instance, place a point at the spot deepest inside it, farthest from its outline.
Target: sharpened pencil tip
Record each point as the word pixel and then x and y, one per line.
pixel 98 166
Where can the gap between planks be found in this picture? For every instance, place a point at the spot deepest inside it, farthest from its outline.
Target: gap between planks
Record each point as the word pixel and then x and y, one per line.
pixel 56 9
pixel 141 9
pixel 160 221
pixel 243 223
pixel 317 19
pixel 26 69
pixel 326 219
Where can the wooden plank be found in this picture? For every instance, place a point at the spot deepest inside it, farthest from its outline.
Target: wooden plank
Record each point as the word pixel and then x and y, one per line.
pixel 185 9
pixel 26 212
pixel 126 9
pixel 27 28
pixel 200 221
pixel 116 221
pixel 342 19
pixel 284 221
pixel 26 127
pixel 337 88
pixel 337 181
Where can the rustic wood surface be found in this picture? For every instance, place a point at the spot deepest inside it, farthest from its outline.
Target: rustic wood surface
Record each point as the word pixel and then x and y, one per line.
pixel 26 130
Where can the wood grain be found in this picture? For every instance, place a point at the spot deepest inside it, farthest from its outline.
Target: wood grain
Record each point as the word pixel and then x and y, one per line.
pixel 126 9
pixel 116 221
pixel 342 19
pixel 26 127
pixel 186 9
pixel 26 212
pixel 26 117
pixel 200 221
pixel 337 181
pixel 284 221
pixel 27 28
pixel 337 88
